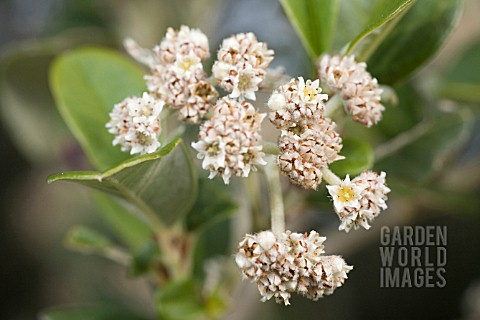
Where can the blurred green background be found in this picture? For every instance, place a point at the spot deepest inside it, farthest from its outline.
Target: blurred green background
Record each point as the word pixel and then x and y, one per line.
pixel 37 272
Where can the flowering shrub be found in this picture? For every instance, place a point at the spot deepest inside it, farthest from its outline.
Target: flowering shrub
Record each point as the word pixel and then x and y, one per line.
pixel 143 128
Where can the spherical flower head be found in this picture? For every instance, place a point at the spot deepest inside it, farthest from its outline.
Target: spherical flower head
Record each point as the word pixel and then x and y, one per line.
pixel 232 137
pixel 297 103
pixel 359 201
pixel 202 96
pixel 183 86
pixel 336 71
pixel 241 65
pixel 362 99
pixel 332 271
pixel 358 88
pixel 304 153
pixel 290 263
pixel 135 123
pixel 182 42
pixel 375 191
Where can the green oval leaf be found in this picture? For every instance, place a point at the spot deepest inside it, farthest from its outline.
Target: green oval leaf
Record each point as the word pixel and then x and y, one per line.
pixel 162 184
pixel 358 157
pixel 86 83
pixel 357 19
pixel 415 39
pixel 314 21
pixel 381 13
pixel 462 81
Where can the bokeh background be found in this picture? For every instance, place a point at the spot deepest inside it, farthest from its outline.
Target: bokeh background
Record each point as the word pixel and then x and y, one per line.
pixel 37 272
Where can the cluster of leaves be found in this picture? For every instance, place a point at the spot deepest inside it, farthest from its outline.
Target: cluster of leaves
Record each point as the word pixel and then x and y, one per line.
pixel 142 194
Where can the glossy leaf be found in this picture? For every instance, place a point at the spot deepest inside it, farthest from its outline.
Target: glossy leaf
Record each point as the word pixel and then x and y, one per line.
pixel 131 229
pixel 86 83
pixel 462 81
pixel 214 203
pixel 357 19
pixel 179 300
pixel 314 21
pixel 424 156
pixel 414 40
pixel 163 183
pixel 88 312
pixel 381 13
pixel 358 157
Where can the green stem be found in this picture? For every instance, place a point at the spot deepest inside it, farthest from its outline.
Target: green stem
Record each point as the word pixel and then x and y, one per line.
pixel 253 194
pixel 333 105
pixel 401 140
pixel 276 198
pixel 330 177
pixel 118 255
pixel 270 148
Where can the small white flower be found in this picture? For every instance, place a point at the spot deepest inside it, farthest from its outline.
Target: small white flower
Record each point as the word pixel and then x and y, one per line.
pixel 297 103
pixel 245 83
pixel 212 151
pixel 241 65
pixel 230 143
pixel 186 65
pixel 359 201
pixel 135 123
pixel 347 194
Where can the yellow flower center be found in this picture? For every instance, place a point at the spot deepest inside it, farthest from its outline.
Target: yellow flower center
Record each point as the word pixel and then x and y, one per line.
pixel 345 194
pixel 186 64
pixel 309 92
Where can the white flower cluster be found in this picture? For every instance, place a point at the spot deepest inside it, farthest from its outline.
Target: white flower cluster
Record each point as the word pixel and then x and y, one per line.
pixel 308 141
pixel 293 262
pixel 303 155
pixel 178 77
pixel 230 143
pixel 358 88
pixel 359 201
pixel 135 123
pixel 241 65
pixel 297 103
